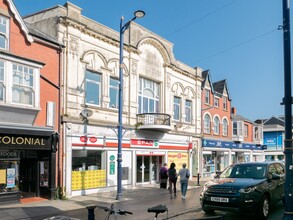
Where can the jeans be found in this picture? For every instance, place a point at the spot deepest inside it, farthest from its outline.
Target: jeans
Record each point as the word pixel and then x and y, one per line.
pixel 184 185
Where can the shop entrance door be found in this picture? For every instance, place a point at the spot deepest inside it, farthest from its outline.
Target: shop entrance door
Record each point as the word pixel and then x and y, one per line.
pixel 28 177
pixel 147 169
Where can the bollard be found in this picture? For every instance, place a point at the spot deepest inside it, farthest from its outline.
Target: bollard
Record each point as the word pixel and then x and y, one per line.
pixel 198 176
pixel 91 212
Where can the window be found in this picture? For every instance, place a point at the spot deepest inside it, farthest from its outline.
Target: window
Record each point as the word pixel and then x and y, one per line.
pixel 225 103
pixel 177 104
pixel 225 127
pixel 2 87
pixel 216 102
pixel 245 130
pixel 93 87
pixel 148 96
pixel 22 84
pixel 237 128
pixel 207 124
pixel 216 125
pixel 114 92
pixel 4 30
pixel 207 96
pixel 188 110
pixel 258 133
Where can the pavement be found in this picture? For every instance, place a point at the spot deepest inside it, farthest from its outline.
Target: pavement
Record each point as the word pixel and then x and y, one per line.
pixel 136 200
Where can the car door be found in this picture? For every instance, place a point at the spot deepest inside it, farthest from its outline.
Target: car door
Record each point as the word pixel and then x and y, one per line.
pixel 273 183
pixel 281 185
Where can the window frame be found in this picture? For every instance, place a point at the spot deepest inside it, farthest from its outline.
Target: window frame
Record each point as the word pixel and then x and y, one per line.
pixel 114 88
pixel 189 114
pixel 5 34
pixel 217 125
pixel 176 106
pixel 207 124
pixel 207 96
pixel 92 82
pixel 225 127
pixel 216 102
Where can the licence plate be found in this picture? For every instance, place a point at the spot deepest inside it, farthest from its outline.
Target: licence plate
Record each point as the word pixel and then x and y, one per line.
pixel 219 199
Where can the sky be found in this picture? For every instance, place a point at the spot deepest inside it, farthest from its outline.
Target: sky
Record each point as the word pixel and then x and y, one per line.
pixel 236 40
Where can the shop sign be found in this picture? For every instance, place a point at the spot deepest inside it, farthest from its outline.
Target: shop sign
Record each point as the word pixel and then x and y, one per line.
pixel 112 168
pixel 22 142
pixel 231 145
pixel 178 158
pixel 150 153
pixel 144 143
pixel 112 157
pixel 9 155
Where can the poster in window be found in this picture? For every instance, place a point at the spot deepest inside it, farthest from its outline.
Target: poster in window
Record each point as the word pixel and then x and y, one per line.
pixel 44 171
pixel 11 177
pixel 3 176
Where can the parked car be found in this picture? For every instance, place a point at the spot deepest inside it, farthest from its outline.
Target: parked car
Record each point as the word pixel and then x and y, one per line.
pixel 245 187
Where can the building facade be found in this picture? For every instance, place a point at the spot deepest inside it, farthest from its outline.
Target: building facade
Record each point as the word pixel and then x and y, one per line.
pixel 29 100
pixel 161 102
pixel 227 138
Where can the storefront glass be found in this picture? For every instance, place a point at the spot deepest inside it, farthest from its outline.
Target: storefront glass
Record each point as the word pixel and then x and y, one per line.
pixel 208 164
pixel 9 178
pixel 88 169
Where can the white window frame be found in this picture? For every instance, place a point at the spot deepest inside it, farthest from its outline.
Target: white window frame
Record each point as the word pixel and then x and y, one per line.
pixel 216 102
pixel 115 89
pixel 176 106
pixel 207 124
pixel 238 129
pixel 98 84
pixel 216 125
pixel 4 21
pixel 225 127
pixel 225 103
pixel 8 80
pixel 188 111
pixel 207 96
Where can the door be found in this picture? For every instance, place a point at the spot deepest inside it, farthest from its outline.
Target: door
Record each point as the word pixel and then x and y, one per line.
pixel 143 169
pixel 28 177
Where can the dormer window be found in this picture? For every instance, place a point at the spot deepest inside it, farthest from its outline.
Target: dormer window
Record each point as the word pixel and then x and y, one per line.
pixel 207 96
pixel 4 30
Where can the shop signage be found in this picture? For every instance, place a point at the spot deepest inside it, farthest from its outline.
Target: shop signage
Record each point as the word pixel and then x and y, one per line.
pixel 112 157
pixel 112 168
pixel 19 141
pixel 178 158
pixel 9 155
pixel 232 145
pixel 144 143
pixel 150 153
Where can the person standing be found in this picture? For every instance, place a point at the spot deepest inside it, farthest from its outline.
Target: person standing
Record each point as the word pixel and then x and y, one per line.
pixel 184 175
pixel 163 176
pixel 172 174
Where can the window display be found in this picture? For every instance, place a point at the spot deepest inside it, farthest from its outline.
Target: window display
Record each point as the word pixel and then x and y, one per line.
pixel 9 181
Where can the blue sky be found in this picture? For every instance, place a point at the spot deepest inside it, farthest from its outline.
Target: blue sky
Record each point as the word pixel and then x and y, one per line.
pixel 236 40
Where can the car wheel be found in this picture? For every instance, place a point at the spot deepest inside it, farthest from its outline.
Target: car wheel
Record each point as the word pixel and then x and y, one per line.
pixel 207 210
pixel 264 208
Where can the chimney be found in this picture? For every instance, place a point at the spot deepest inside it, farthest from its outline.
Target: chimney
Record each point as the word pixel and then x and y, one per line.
pixel 233 110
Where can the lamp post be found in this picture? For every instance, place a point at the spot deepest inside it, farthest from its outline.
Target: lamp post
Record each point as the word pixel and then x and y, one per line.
pixel 123 28
pixel 287 101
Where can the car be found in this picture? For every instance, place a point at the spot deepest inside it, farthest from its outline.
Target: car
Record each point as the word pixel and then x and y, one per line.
pixel 250 187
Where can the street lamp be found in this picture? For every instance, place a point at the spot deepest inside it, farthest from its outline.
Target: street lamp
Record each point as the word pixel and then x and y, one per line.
pixel 287 101
pixel 123 28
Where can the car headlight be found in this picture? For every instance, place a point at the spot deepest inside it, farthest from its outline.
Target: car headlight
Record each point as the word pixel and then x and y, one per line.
pixel 205 187
pixel 247 190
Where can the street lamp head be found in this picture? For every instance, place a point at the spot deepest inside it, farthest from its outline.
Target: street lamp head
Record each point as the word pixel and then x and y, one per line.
pixel 139 14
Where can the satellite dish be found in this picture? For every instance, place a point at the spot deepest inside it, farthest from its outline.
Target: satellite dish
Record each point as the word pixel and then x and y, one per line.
pixel 86 113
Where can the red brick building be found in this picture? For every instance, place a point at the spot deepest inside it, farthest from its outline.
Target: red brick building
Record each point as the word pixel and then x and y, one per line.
pixel 226 137
pixel 29 108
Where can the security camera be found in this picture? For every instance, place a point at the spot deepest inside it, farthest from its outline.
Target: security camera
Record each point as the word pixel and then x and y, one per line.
pixel 86 113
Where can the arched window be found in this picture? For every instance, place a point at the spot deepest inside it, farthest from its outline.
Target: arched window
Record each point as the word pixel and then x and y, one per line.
pixel 225 127
pixel 216 125
pixel 207 124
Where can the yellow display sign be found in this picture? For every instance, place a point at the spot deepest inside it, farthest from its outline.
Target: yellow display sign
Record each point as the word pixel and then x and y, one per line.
pixel 3 176
pixel 88 179
pixel 178 158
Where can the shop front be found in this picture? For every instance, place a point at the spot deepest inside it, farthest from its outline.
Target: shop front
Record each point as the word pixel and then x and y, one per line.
pixel 27 163
pixel 219 154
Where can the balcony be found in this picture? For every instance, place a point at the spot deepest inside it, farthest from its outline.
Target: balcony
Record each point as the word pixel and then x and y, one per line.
pixel 154 122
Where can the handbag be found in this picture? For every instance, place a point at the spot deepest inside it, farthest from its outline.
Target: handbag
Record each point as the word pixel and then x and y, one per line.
pixel 187 174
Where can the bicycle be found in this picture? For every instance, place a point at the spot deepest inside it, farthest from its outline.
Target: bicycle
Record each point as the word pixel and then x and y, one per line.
pixel 158 209
pixel 113 212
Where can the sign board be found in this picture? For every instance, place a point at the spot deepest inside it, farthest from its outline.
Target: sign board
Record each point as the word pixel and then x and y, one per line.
pixel 112 168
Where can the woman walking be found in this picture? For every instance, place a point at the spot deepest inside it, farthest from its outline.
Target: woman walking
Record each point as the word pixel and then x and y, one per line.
pixel 184 176
pixel 172 174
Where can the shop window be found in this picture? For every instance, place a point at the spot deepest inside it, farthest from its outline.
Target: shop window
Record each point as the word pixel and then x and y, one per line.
pixel 88 169
pixel 9 171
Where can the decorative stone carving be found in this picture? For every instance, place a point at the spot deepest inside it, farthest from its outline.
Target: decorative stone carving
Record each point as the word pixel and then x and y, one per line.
pixel 73 46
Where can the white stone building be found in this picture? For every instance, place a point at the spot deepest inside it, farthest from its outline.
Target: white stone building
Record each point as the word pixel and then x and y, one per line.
pixel 161 102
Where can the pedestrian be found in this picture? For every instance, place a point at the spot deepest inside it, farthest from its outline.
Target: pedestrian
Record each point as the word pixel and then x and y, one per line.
pixel 184 175
pixel 172 174
pixel 163 176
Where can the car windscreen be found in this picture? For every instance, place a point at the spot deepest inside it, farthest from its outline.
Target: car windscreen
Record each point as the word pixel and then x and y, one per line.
pixel 254 171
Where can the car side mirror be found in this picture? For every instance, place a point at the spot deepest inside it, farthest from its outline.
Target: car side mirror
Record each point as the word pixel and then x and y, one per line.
pixel 275 177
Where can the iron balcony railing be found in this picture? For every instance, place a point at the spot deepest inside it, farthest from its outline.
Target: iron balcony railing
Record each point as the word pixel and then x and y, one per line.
pixel 153 121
